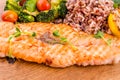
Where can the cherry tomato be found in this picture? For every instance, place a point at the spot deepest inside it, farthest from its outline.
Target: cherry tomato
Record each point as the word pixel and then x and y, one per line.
pixel 10 16
pixel 43 5
pixel 21 3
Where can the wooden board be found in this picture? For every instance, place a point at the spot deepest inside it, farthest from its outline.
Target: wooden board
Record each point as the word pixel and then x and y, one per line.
pixel 22 70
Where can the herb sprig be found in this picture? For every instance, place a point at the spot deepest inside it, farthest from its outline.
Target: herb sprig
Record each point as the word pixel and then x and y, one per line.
pixel 57 34
pixel 63 39
pixel 16 34
pixel 100 34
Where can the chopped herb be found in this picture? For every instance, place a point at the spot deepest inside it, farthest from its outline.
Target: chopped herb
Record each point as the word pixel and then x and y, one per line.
pixel 101 35
pixel 17 34
pixel 10 50
pixel 33 34
pixel 56 33
pixel 10 38
pixel 109 41
pixel 47 38
pixel 74 47
pixel 64 39
pixel 17 29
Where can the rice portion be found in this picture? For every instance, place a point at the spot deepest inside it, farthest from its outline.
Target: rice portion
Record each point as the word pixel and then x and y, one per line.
pixel 88 15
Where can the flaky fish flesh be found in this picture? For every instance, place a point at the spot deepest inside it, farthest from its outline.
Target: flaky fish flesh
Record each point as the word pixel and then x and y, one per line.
pixel 57 45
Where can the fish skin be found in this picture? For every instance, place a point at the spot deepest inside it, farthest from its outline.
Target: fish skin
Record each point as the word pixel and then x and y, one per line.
pixel 89 50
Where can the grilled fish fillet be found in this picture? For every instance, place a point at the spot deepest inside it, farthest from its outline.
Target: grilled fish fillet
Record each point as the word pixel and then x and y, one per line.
pixel 87 50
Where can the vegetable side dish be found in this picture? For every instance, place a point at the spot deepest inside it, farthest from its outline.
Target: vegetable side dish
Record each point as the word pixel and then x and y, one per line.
pixel 89 16
pixel 35 10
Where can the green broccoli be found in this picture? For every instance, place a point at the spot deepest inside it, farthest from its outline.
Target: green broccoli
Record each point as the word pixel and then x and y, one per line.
pixel 24 17
pixel 45 16
pixel 13 5
pixel 29 13
pixel 62 10
pixel 22 13
pixel 30 5
pixel 58 9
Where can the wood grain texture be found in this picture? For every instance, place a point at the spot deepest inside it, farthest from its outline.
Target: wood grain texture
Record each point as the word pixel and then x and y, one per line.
pixel 23 70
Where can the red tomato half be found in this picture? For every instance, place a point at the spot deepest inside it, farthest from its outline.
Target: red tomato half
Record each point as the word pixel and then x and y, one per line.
pixel 43 5
pixel 21 3
pixel 10 16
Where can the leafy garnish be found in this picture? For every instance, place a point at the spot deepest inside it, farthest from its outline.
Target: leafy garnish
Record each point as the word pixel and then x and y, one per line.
pixel 10 49
pixel 17 29
pixel 56 33
pixel 17 33
pixel 109 41
pixel 10 38
pixel 63 40
pixel 33 34
pixel 100 34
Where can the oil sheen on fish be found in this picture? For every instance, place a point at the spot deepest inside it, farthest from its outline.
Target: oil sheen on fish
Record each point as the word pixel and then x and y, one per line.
pixel 69 48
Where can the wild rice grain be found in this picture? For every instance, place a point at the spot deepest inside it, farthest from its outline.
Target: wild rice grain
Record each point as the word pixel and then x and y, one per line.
pixel 88 15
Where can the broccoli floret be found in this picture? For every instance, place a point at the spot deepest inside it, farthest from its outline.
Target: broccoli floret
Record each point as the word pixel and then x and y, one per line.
pixel 29 13
pixel 24 17
pixel 58 10
pixel 62 10
pixel 13 5
pixel 45 16
pixel 30 5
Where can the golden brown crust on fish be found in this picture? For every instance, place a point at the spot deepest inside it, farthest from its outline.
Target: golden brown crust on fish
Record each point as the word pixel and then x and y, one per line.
pixel 83 49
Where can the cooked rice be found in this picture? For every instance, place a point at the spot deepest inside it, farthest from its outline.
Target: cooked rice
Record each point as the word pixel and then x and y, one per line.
pixel 88 15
